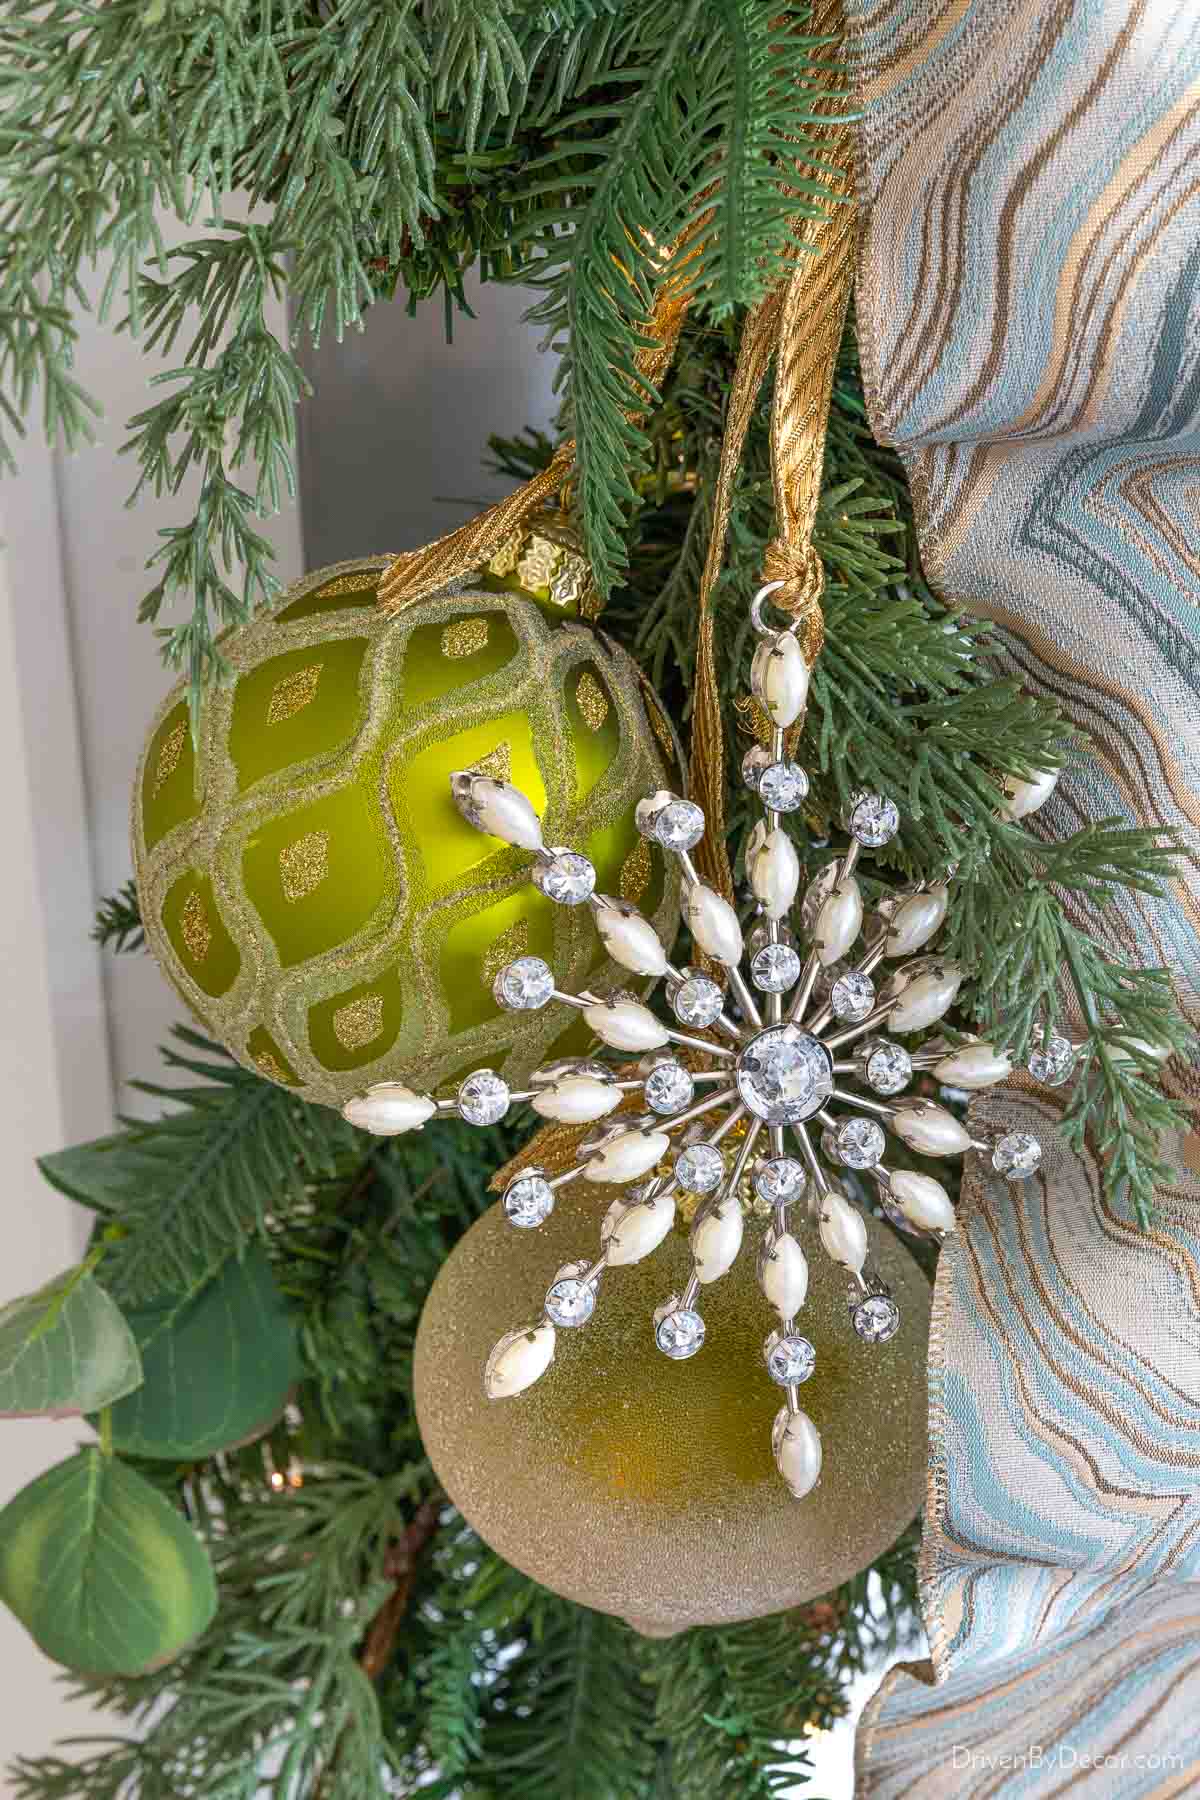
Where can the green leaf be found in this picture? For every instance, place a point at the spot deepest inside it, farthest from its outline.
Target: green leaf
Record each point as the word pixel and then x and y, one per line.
pixel 218 1368
pixel 90 1174
pixel 104 1574
pixel 65 1349
pixel 188 1190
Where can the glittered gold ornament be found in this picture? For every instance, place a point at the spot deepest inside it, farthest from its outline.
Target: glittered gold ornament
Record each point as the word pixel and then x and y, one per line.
pixel 305 877
pixel 646 1487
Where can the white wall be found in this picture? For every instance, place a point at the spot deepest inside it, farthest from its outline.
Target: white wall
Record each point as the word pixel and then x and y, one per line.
pixel 392 442
pixel 54 1069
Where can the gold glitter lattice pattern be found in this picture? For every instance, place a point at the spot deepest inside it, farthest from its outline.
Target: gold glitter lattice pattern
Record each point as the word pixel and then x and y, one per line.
pixel 304 865
pixel 591 700
pixel 636 871
pixel 356 1024
pixel 350 763
pixel 197 932
pixel 169 754
pixel 350 584
pixel 497 763
pixel 510 944
pixel 293 693
pixel 464 637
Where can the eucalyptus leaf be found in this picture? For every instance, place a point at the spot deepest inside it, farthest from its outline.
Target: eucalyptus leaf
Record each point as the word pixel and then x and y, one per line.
pixel 217 1368
pixel 104 1574
pixel 65 1349
pixel 91 1174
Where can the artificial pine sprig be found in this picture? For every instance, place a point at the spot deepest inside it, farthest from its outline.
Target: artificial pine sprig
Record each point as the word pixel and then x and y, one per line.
pixel 385 147
pixel 367 1642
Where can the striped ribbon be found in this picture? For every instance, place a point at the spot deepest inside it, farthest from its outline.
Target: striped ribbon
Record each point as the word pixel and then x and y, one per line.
pixel 1029 313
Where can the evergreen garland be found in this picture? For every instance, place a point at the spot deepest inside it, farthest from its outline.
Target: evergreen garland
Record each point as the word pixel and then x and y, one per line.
pixel 366 1642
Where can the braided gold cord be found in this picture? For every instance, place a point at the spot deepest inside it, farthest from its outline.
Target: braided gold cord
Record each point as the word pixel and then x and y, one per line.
pixel 804 316
pixel 707 772
pixel 416 574
pixel 810 332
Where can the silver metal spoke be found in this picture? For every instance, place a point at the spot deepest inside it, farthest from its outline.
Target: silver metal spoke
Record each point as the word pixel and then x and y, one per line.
pixel 864 1025
pixel 745 999
pixel 672 1123
pixel 803 994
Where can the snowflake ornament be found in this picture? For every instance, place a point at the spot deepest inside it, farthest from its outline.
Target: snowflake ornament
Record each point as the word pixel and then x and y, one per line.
pixel 792 1068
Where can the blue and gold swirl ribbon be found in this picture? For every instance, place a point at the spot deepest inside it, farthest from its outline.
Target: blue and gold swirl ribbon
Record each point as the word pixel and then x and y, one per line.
pixel 1029 313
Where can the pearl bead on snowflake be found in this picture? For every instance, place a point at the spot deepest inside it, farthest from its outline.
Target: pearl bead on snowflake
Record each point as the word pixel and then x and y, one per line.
pixel 792 1069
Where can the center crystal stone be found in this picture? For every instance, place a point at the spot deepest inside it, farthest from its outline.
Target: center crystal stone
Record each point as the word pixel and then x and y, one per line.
pixel 785 1075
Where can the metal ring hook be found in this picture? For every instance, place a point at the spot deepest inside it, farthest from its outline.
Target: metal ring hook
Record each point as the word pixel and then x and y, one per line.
pixel 756 612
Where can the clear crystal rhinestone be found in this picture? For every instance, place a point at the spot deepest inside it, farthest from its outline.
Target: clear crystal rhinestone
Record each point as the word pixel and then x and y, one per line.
pixel 1051 1063
pixel 679 826
pixel 680 1333
pixel 700 1169
pixel 790 1358
pixel 775 968
pixel 697 1001
pixel 860 1143
pixel 876 1319
pixel 524 985
pixel 784 1075
pixel 528 1200
pixel 852 997
pixel 761 935
pixel 754 762
pixel 567 878
pixel 570 1302
pixel 669 1088
pixel 780 1180
pixel 872 819
pixel 1017 1154
pixel 887 1067
pixel 483 1098
pixel 783 786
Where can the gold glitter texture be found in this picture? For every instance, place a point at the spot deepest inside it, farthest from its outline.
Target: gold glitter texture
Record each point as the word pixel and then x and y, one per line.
pixel 169 754
pixel 196 930
pixel 661 729
pixel 591 700
pixel 412 932
pixel 636 871
pixel 497 763
pixel 687 1538
pixel 356 1024
pixel 304 865
pixel 510 944
pixel 293 693
pixel 358 583
pixel 270 1066
pixel 464 637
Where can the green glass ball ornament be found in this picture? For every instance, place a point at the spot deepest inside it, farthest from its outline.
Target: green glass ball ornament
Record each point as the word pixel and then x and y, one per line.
pixel 646 1487
pixel 305 878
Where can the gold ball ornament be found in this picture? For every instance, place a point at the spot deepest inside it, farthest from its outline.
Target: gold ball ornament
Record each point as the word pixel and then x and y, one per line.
pixel 647 1488
pixel 306 880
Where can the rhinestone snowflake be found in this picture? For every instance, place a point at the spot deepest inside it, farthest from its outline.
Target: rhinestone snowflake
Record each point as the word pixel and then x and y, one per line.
pixel 781 1074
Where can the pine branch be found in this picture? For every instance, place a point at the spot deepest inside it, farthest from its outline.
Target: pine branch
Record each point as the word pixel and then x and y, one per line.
pixel 188 1189
pixel 119 921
